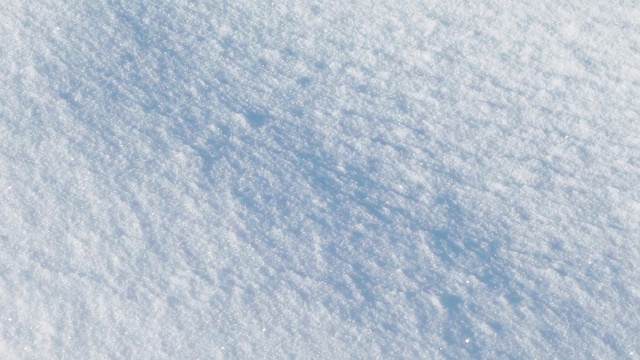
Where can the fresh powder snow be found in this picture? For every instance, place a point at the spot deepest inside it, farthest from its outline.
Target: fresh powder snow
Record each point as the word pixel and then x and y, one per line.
pixel 319 179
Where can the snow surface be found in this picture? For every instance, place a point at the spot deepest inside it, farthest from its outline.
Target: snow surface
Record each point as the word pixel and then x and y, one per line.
pixel 319 179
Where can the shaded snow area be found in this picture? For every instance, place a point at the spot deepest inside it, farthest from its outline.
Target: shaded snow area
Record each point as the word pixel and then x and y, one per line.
pixel 319 179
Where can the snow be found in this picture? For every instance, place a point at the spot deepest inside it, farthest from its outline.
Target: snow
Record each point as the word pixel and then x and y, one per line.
pixel 363 179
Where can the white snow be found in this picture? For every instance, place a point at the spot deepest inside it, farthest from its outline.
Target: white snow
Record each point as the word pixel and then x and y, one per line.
pixel 320 179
